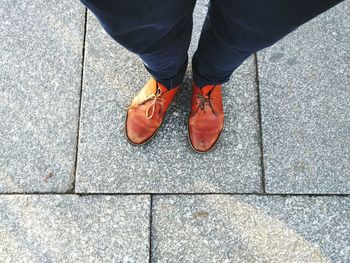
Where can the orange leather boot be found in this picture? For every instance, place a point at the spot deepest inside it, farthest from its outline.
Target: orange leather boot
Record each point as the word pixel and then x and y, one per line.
pixel 146 112
pixel 206 119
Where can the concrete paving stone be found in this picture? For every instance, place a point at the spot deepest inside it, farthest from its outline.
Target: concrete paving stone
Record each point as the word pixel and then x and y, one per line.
pixel 69 228
pixel 40 65
pixel 108 163
pixel 305 98
pixel 223 228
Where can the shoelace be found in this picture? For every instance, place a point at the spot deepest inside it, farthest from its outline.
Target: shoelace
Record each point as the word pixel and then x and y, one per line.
pixel 156 98
pixel 204 101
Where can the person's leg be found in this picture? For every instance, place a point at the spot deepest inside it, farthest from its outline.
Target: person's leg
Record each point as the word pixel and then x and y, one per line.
pixel 158 31
pixel 234 29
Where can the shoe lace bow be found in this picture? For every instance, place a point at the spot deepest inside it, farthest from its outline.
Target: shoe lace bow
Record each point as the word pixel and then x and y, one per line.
pixel 203 101
pixel 155 98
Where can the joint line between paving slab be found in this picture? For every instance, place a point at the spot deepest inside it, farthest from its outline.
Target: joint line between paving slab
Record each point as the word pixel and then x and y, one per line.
pixel 263 183
pixel 79 108
pixel 233 194
pixel 174 194
pixel 150 229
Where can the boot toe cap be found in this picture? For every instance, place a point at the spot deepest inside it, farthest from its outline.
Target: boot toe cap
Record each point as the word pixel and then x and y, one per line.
pixel 202 143
pixel 138 132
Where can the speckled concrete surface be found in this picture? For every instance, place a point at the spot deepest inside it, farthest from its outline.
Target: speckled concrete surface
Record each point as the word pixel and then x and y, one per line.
pixel 108 163
pixel 40 65
pixel 56 228
pixel 304 85
pixel 222 228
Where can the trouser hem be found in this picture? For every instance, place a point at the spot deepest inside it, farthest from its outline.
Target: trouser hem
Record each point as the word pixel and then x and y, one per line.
pixel 175 80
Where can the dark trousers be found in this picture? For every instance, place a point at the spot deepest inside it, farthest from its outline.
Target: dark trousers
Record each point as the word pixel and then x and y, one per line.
pixel 160 32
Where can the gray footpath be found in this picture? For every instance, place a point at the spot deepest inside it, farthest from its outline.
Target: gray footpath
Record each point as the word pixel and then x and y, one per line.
pixel 40 74
pixel 167 164
pixel 69 228
pixel 305 97
pixel 275 188
pixel 222 228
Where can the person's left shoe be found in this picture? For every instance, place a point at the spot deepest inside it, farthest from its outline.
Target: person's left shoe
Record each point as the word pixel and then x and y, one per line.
pixel 206 119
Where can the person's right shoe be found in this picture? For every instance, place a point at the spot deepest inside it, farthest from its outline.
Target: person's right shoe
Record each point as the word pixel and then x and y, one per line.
pixel 206 119
pixel 146 112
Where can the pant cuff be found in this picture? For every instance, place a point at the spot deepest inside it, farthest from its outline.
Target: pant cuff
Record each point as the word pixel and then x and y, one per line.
pixel 175 80
pixel 201 80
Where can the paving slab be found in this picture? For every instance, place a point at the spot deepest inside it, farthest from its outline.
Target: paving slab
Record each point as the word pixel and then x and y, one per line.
pixel 224 228
pixel 305 98
pixel 108 163
pixel 69 228
pixel 40 65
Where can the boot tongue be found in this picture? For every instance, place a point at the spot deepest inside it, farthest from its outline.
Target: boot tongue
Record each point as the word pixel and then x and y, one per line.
pixel 206 89
pixel 162 87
